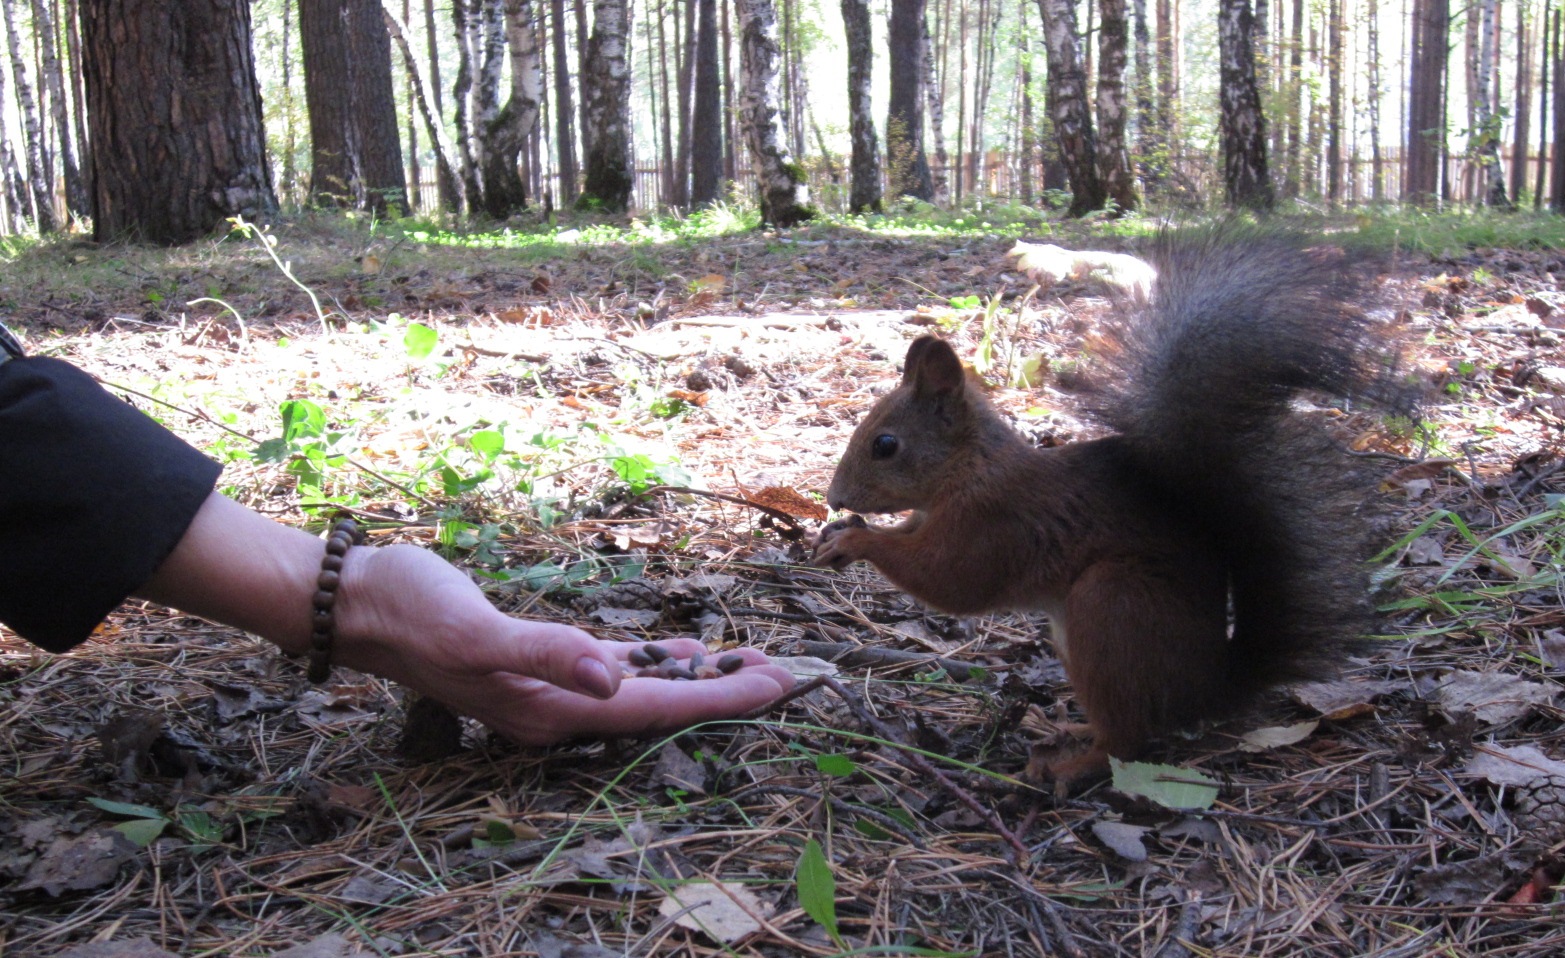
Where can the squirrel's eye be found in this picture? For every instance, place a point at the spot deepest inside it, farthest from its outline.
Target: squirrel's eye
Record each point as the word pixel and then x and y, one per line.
pixel 883 447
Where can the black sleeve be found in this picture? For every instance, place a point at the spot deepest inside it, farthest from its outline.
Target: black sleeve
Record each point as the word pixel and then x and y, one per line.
pixel 94 495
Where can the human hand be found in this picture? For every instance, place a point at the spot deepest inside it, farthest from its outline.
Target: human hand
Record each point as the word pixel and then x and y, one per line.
pixel 406 614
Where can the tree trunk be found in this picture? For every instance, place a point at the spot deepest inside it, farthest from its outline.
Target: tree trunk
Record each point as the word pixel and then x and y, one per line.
pixel 505 192
pixel 14 201
pixel 40 165
pixel 1523 111
pixel 1029 132
pixel 1245 178
pixel 706 121
pixel 907 167
pixel 1334 102
pixel 1068 107
pixel 1168 80
pixel 934 94
pixel 77 203
pixel 784 198
pixel 1146 117
pixel 1544 33
pixel 1293 182
pixel 356 151
pixel 565 146
pixel 864 192
pixel 73 49
pixel 1377 189
pixel 662 102
pixel 446 179
pixel 606 95
pixel 175 118
pixel 1557 169
pixel 1113 156
pixel 1484 143
pixel 686 92
pixel 1426 100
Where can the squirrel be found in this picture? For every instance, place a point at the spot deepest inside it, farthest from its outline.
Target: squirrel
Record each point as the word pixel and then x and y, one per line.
pixel 1213 494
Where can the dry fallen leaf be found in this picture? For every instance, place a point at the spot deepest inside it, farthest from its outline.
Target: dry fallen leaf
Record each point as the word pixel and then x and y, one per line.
pixel 1495 697
pixel 1276 736
pixel 1519 766
pixel 785 499
pixel 725 911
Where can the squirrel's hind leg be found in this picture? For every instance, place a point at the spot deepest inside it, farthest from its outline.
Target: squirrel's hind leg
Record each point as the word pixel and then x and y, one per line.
pixel 1148 645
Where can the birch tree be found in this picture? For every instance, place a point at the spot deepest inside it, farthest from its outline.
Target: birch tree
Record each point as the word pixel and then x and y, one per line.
pixel 505 192
pixel 864 167
pixel 606 109
pixel 1113 156
pixel 1245 177
pixel 1067 97
pixel 40 165
pixel 1484 140
pixel 784 197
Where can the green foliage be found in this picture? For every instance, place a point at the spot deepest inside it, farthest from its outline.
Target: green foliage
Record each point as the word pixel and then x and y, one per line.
pixel 817 889
pixel 1452 233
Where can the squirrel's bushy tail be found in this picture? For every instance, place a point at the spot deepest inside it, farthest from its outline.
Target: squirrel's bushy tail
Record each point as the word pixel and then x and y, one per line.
pixel 1201 382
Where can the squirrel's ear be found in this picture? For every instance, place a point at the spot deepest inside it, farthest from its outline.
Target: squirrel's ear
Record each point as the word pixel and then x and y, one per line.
pixel 932 368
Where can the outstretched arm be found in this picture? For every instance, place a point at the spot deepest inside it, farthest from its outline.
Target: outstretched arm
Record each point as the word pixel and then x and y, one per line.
pixel 406 614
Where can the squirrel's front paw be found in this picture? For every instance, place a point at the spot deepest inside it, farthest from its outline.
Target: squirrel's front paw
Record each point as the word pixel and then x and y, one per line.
pixel 828 544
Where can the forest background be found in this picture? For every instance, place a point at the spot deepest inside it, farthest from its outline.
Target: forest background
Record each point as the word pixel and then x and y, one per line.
pixel 500 106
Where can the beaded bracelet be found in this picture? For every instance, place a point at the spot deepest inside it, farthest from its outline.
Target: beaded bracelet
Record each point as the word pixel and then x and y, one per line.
pixel 344 535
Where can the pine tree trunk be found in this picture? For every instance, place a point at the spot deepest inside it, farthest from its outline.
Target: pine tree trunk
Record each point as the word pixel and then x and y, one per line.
pixel 1523 111
pixel 1334 99
pixel 1293 178
pixel 606 97
pixel 1426 99
pixel 1544 34
pixel 1029 133
pixel 564 111
pixel 1168 82
pixel 784 198
pixel 1068 107
pixel 447 182
pixel 1113 156
pixel 77 202
pixel 40 168
pixel 706 121
pixel 864 191
pixel 907 167
pixel 1245 176
pixel 356 150
pixel 156 179
pixel 663 104
pixel 686 93
pixel 73 49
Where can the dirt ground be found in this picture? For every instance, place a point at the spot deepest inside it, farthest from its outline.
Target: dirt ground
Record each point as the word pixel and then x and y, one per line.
pixel 1411 808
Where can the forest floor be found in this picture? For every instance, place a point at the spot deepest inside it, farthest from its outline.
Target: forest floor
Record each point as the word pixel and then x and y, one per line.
pixel 177 787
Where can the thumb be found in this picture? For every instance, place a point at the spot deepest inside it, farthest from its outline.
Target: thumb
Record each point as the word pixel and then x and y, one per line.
pixel 553 653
